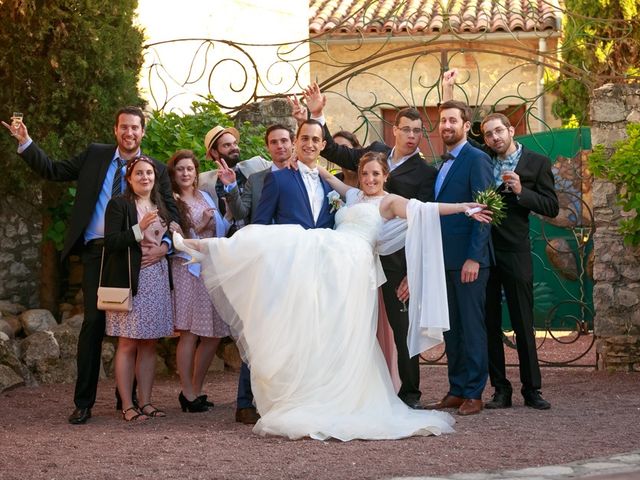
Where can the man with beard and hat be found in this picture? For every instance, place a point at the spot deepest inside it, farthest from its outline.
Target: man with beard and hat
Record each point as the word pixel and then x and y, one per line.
pixel 221 144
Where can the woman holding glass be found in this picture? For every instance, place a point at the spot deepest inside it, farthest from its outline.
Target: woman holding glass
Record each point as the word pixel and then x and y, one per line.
pixel 135 224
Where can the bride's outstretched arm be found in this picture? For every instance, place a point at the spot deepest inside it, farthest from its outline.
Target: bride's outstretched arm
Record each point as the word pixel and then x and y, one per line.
pixel 395 206
pixel 334 182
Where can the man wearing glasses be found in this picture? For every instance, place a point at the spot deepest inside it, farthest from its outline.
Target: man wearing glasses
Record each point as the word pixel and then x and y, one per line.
pixel 525 181
pixel 410 177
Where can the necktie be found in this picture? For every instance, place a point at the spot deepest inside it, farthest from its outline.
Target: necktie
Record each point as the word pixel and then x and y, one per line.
pixel 116 188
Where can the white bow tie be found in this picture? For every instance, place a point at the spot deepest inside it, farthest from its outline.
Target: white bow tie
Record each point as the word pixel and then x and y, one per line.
pixel 312 174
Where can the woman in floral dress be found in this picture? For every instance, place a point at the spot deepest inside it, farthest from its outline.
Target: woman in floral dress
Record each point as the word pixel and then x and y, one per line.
pixel 197 320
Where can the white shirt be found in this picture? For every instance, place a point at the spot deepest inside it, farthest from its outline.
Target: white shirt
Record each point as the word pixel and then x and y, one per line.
pixel 393 165
pixel 315 192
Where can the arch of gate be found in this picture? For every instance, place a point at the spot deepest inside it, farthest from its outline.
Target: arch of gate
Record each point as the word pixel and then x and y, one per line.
pixel 370 65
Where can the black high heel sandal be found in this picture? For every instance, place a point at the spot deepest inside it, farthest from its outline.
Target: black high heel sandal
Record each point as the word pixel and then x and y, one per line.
pixel 191 406
pixel 205 402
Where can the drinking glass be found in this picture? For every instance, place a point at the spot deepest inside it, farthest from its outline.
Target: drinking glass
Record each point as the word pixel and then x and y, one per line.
pixel 505 178
pixel 16 119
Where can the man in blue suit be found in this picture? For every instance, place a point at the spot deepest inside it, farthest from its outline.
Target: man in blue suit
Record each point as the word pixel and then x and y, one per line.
pixel 298 196
pixel 467 257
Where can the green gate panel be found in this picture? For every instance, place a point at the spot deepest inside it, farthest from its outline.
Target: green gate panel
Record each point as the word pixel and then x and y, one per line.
pixel 565 303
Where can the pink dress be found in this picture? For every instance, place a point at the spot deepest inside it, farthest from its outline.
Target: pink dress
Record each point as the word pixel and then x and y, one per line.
pixel 193 310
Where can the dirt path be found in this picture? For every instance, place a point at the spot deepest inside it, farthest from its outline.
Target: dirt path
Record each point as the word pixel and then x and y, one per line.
pixel 594 414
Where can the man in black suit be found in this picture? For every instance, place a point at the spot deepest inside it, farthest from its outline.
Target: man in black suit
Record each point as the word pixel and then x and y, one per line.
pixel 99 172
pixel 525 181
pixel 410 177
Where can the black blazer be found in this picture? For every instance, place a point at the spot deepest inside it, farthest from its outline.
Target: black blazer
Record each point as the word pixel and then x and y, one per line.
pixel 88 169
pixel 538 195
pixel 415 178
pixel 120 217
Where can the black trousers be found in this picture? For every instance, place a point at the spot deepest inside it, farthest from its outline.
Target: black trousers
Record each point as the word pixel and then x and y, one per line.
pixel 92 331
pixel 513 272
pixel 408 368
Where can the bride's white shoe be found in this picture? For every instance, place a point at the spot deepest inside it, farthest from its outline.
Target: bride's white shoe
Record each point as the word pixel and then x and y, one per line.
pixel 178 243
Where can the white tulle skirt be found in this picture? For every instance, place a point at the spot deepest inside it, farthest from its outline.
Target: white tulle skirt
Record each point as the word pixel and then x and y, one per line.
pixel 302 305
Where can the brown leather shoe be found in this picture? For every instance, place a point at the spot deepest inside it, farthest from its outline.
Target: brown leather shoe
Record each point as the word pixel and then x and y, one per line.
pixel 449 401
pixel 470 406
pixel 248 416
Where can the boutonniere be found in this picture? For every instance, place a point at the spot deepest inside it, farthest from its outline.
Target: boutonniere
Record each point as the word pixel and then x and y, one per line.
pixel 335 202
pixel 494 202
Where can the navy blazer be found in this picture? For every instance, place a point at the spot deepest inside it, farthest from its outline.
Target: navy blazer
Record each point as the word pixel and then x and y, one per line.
pixel 464 238
pixel 284 200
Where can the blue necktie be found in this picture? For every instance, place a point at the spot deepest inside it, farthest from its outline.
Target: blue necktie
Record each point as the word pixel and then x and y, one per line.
pixel 116 188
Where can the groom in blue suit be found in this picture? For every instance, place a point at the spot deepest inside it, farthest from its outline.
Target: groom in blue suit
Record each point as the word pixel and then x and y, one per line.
pixel 467 257
pixel 298 196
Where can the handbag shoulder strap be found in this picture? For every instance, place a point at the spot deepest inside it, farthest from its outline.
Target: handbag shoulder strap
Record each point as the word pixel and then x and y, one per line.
pixel 128 259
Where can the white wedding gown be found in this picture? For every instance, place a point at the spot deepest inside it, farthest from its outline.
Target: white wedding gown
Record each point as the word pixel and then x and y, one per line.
pixel 302 305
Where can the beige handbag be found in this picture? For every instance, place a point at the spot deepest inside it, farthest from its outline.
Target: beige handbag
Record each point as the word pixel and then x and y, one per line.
pixel 115 299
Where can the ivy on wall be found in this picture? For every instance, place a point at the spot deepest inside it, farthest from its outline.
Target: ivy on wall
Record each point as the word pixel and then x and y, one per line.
pixel 622 169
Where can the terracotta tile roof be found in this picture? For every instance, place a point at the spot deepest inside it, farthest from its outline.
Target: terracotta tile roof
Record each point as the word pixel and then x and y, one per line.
pixel 402 17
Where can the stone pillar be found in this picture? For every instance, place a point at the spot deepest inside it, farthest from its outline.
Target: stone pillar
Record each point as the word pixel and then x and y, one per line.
pixel 267 112
pixel 616 270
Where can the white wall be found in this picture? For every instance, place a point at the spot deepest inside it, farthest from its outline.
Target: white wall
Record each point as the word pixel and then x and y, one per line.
pixel 241 21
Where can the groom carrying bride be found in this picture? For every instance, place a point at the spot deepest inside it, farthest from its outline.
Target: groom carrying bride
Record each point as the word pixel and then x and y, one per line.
pixel 299 196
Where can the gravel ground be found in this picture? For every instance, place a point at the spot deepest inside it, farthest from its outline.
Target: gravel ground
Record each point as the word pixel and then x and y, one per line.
pixel 594 414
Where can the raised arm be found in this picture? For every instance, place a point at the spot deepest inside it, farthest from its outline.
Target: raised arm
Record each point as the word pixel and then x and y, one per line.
pixel 448 82
pixel 339 154
pixel 334 182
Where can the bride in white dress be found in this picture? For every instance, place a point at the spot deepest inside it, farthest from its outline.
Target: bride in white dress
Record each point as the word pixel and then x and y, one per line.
pixel 303 308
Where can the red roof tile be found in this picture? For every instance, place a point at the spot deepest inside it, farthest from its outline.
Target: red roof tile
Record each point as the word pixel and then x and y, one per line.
pixel 398 17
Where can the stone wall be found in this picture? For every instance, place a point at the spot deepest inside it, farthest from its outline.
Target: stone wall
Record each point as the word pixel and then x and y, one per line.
pixel 267 113
pixel 20 239
pixel 616 270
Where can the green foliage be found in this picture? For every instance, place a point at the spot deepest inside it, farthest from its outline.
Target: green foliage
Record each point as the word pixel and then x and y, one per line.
pixel 601 38
pixel 68 65
pixel 167 132
pixel 59 215
pixel 623 170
